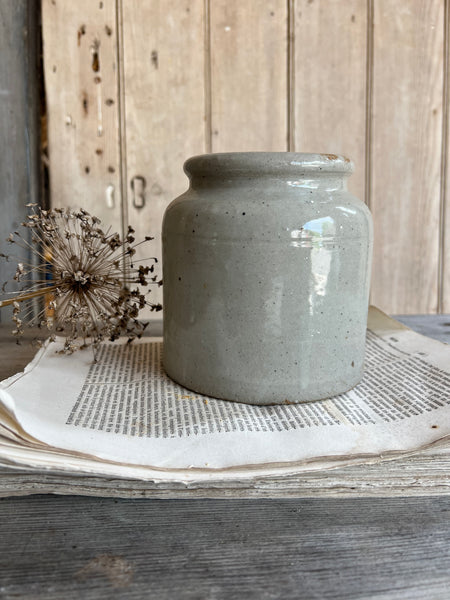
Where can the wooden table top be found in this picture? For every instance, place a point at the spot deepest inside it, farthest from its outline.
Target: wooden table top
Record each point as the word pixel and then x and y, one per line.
pixel 69 547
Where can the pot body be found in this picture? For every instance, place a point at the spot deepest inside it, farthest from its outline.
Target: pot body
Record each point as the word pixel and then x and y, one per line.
pixel 266 271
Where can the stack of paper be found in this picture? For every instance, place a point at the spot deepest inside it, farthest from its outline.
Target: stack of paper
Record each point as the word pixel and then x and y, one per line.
pixel 122 417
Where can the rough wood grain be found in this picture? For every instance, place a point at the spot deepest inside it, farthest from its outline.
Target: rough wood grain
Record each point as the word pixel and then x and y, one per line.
pixel 292 549
pixel 330 81
pixel 19 124
pixel 248 75
pixel 80 43
pixel 406 147
pixel 434 326
pixel 163 55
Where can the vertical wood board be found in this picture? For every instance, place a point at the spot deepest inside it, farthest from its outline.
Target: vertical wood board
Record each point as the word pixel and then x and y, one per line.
pixel 80 48
pixel 406 152
pixel 248 75
pixel 19 129
pixel 330 81
pixel 445 190
pixel 163 57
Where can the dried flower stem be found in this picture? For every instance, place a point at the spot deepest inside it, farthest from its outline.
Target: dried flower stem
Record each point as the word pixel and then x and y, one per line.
pixel 27 296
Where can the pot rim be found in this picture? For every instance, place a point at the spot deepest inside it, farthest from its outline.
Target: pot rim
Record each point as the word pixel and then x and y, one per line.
pixel 258 164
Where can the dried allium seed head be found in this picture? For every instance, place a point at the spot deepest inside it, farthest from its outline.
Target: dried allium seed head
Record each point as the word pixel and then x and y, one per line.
pixel 84 276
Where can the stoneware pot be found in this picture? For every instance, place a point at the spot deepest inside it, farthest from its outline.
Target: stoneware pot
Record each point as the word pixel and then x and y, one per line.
pixel 266 269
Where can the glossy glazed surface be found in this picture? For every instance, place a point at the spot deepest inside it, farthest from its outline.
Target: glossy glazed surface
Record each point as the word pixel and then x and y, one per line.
pixel 266 268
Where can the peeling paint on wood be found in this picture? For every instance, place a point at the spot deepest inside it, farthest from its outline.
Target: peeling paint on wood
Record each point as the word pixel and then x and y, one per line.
pixel 81 88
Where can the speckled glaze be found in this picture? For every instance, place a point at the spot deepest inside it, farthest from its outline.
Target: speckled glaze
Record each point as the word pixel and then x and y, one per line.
pixel 266 269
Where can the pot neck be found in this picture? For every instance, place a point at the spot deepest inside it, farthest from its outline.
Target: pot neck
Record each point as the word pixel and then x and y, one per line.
pixel 268 169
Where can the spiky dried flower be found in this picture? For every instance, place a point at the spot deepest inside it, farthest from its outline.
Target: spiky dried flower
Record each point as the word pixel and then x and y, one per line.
pixel 89 286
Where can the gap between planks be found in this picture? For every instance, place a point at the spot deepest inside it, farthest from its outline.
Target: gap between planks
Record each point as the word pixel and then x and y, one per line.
pixel 122 120
pixel 369 107
pixel 291 75
pixel 444 157
pixel 208 99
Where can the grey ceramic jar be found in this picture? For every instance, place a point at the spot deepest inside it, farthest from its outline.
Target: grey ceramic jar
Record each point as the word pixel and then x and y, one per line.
pixel 266 270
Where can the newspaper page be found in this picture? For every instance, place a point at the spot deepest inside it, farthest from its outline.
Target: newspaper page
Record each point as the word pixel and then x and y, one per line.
pixel 124 412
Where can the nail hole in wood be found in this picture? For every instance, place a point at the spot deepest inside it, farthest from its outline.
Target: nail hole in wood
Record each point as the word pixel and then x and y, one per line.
pixel 85 103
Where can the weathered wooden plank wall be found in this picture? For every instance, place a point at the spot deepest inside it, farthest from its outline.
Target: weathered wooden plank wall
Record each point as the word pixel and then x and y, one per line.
pixel 19 124
pixel 406 152
pixel 444 255
pixel 164 107
pixel 248 75
pixel 366 78
pixel 81 80
pixel 330 81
